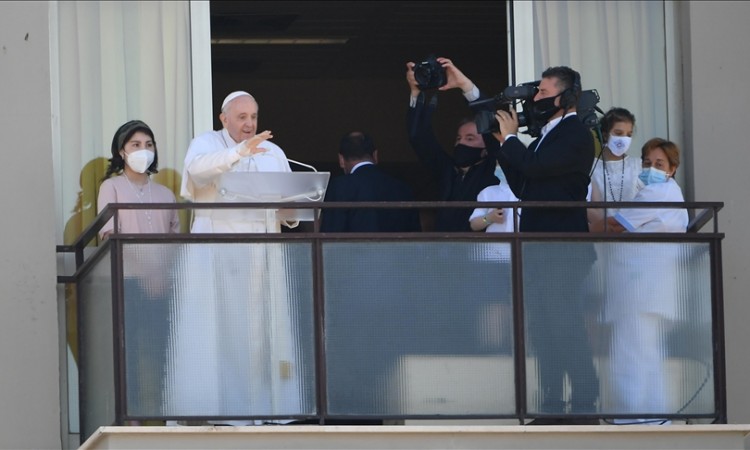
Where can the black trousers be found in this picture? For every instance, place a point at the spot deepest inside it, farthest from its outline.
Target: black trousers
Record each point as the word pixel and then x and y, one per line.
pixel 554 275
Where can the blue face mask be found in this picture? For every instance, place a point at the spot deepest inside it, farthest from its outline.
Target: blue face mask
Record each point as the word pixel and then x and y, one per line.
pixel 500 175
pixel 651 175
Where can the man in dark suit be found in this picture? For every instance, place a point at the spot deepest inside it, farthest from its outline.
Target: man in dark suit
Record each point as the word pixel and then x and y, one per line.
pixel 469 168
pixel 365 182
pixel 356 314
pixel 555 167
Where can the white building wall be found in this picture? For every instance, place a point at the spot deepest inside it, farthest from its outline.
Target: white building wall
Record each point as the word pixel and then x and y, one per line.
pixel 29 350
pixel 716 65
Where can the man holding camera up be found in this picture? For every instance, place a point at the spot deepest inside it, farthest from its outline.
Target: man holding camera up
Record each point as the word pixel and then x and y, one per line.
pixel 470 169
pixel 555 167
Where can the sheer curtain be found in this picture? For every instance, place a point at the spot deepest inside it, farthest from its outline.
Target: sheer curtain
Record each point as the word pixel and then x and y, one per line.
pixel 618 47
pixel 119 61
pixel 112 62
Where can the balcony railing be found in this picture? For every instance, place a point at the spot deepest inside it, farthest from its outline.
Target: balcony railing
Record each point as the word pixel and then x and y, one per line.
pixel 370 326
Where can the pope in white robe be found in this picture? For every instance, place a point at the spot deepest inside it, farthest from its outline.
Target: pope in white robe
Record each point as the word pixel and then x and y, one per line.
pixel 233 351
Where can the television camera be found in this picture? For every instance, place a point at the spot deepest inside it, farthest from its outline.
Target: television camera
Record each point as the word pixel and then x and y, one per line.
pixel 524 94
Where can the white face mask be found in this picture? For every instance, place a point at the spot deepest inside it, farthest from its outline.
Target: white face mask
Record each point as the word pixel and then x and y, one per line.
pixel 618 145
pixel 140 160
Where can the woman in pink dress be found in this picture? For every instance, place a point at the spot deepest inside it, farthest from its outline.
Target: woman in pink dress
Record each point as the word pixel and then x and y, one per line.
pixel 147 268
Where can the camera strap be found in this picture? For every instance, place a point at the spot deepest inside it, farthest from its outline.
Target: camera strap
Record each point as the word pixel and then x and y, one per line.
pixel 600 138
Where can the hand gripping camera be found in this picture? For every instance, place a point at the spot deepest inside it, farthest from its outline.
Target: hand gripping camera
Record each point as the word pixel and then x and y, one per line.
pixel 485 108
pixel 430 74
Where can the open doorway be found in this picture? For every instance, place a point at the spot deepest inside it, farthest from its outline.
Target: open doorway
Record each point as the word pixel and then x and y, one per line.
pixel 322 69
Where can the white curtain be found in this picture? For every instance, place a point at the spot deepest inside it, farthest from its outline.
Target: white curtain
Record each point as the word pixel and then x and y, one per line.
pixel 619 48
pixel 119 61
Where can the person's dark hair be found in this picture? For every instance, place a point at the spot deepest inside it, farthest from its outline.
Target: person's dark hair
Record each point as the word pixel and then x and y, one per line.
pixel 356 146
pixel 465 120
pixel 569 82
pixel 613 116
pixel 670 149
pixel 121 137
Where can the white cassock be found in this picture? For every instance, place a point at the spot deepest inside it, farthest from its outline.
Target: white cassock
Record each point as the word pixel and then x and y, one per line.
pixel 641 302
pixel 232 349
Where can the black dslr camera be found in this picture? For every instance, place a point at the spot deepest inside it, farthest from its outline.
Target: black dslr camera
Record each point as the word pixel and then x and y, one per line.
pixel 485 108
pixel 430 74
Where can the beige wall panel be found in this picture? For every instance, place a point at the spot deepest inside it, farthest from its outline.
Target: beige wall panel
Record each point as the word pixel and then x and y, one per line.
pixel 716 65
pixel 29 371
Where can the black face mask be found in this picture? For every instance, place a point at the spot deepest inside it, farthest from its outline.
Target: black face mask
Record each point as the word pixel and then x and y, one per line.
pixel 465 156
pixel 544 109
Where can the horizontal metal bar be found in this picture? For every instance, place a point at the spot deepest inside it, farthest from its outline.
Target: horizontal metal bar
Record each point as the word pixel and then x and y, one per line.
pixel 416 204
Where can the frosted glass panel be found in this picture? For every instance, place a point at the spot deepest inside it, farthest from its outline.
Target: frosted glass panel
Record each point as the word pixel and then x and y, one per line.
pixel 216 330
pixel 418 328
pixel 622 330
pixel 657 309
pixel 96 367
pixel 561 376
pixel 618 328
pixel 149 291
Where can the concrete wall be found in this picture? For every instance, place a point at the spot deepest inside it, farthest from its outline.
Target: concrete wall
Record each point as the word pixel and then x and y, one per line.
pixel 29 361
pixel 716 64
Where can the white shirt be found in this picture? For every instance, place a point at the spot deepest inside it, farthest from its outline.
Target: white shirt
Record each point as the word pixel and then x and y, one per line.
pixel 495 251
pixel 470 96
pixel 656 220
pixel 496 193
pixel 358 165
pixel 547 128
pixel 212 154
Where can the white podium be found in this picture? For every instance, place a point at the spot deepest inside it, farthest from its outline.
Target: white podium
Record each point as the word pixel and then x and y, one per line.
pixel 271 187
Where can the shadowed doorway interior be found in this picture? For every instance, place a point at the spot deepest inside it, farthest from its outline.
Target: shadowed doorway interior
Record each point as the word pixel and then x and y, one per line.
pixel 321 69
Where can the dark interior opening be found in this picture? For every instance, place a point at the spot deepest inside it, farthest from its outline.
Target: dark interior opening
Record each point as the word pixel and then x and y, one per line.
pixel 321 69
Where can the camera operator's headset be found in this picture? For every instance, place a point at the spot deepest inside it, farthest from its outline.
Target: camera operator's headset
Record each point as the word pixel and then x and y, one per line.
pixel 569 97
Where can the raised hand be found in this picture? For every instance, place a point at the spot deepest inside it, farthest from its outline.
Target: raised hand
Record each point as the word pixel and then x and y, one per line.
pixel 411 79
pixel 250 146
pixel 456 78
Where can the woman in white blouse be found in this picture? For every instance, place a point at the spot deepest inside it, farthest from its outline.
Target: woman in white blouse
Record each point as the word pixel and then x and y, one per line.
pixel 614 177
pixel 642 302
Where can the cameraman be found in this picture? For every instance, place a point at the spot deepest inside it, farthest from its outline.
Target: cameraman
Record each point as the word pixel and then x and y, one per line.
pixel 462 175
pixel 555 167
pixel 557 170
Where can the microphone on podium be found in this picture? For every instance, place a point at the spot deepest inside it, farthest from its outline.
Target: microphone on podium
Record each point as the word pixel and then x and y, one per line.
pixel 302 164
